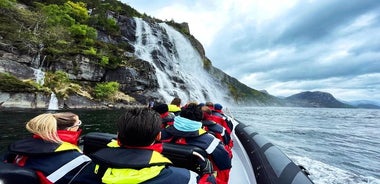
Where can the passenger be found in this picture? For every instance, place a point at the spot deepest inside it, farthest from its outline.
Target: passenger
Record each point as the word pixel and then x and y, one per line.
pixel 218 112
pixel 138 158
pixel 219 118
pixel 210 105
pixel 175 106
pixel 166 116
pixel 217 130
pixel 52 151
pixel 187 129
pixel 190 103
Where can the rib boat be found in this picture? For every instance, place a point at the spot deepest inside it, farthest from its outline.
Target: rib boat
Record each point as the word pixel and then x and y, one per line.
pixel 255 160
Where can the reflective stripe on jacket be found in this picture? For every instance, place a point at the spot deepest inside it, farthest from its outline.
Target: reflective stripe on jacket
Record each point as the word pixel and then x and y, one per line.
pixel 129 165
pixel 220 157
pixel 54 162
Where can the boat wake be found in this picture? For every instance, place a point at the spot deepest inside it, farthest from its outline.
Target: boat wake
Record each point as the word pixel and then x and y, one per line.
pixel 322 173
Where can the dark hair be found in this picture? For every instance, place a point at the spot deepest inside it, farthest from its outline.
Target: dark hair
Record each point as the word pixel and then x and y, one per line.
pixel 176 101
pixel 138 126
pixel 65 119
pixel 206 110
pixel 161 108
pixel 209 104
pixel 192 111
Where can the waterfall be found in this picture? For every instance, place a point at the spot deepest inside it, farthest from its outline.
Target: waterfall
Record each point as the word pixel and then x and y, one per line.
pixel 40 76
pixel 36 66
pixel 53 103
pixel 176 57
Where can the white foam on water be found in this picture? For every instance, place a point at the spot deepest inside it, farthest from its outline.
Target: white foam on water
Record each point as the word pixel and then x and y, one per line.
pixel 322 173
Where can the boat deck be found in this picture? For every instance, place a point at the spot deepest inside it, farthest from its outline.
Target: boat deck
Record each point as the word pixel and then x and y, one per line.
pixel 242 171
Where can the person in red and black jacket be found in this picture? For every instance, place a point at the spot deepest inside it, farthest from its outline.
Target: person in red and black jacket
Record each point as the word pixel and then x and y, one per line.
pixel 187 129
pixel 216 129
pixel 219 117
pixel 137 158
pixel 52 151
pixel 166 116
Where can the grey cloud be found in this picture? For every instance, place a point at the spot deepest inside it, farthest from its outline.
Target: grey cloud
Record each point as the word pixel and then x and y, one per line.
pixel 313 71
pixel 309 22
pixel 303 63
pixel 368 45
pixel 302 25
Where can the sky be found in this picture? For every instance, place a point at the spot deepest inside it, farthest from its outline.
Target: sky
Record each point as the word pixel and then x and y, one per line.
pixel 286 46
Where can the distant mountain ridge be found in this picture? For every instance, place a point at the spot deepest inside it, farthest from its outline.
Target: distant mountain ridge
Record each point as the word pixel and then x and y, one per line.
pixel 316 99
pixel 366 104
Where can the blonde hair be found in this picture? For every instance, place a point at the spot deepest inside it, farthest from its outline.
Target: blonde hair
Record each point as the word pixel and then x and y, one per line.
pixel 45 126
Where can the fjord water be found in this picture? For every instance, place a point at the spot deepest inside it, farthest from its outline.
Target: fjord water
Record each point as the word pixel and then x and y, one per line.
pixel 335 145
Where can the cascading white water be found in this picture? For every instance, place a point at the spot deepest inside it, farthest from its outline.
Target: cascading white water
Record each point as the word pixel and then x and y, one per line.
pixel 40 79
pixel 53 103
pixel 40 76
pixel 184 63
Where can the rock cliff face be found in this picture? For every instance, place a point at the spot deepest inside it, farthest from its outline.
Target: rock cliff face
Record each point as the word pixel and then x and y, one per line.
pixel 24 100
pixel 136 78
pixel 152 61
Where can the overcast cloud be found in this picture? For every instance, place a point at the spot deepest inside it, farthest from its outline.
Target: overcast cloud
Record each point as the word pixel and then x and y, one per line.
pixel 286 47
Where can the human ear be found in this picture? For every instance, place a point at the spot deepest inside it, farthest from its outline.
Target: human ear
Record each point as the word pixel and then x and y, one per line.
pixel 158 137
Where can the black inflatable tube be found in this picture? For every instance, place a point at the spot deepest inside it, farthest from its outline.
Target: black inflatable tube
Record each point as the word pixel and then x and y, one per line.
pixel 270 164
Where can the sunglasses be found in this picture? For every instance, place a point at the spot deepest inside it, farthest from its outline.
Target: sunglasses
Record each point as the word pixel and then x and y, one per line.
pixel 77 125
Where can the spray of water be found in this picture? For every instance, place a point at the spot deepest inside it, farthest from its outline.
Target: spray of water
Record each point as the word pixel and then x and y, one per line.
pixel 175 57
pixel 53 103
pixel 40 78
pixel 39 75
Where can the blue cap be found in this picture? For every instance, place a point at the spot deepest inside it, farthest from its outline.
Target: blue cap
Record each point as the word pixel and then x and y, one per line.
pixel 218 106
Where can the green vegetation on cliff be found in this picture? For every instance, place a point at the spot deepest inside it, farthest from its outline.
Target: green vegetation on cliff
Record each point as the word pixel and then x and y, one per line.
pixel 106 90
pixel 10 83
pixel 61 29
pixel 64 28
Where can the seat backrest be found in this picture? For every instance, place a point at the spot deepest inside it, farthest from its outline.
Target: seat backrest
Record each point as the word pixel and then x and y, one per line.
pixel 11 173
pixel 95 141
pixel 185 156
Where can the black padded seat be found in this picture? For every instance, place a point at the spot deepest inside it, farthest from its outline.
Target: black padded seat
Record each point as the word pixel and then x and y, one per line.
pixel 12 174
pixel 185 156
